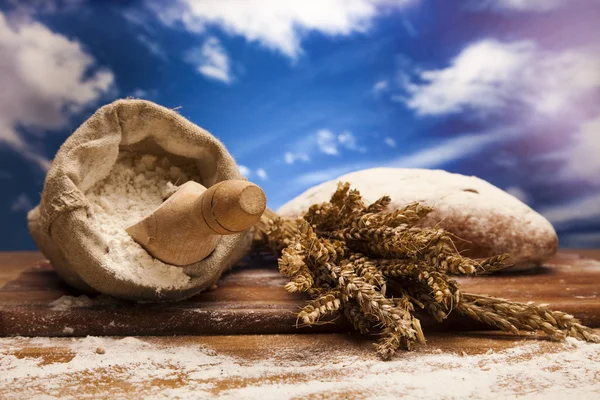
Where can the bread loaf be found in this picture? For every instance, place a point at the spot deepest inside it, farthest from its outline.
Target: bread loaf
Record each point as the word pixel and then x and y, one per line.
pixel 487 220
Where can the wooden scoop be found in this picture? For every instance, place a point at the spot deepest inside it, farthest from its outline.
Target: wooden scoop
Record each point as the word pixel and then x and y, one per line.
pixel 186 227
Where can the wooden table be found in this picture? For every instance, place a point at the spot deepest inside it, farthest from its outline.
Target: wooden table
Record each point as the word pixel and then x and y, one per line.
pixel 333 365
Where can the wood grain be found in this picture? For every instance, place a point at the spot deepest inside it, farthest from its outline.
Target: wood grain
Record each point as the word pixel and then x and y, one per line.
pixel 12 263
pixel 251 300
pixel 113 380
pixel 594 254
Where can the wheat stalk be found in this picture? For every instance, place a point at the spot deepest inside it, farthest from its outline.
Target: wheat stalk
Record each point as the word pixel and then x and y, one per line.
pixel 377 267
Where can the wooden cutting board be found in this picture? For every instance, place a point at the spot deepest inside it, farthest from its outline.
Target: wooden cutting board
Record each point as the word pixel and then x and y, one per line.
pixel 251 300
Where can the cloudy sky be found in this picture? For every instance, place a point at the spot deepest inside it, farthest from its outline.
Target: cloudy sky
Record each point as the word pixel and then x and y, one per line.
pixel 305 91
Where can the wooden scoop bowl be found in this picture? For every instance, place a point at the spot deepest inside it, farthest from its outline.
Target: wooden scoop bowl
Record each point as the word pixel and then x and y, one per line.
pixel 186 227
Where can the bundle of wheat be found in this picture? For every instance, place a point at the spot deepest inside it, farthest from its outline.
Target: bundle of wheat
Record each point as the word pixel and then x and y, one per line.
pixel 379 267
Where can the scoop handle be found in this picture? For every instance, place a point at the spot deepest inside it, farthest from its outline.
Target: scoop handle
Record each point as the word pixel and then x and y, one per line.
pixel 185 229
pixel 231 206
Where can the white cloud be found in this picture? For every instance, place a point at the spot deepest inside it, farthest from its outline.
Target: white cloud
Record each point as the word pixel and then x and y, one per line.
pixel 291 158
pixel 44 77
pixel 521 5
pixel 247 172
pixel 575 211
pixel 450 150
pixel 211 60
pixel 583 157
pixel 140 93
pixel 390 142
pixel 244 170
pixel 380 86
pixel 347 140
pixel 136 17
pixel 327 142
pixel 409 28
pixel 276 24
pixel 31 7
pixel 430 157
pixel 262 174
pixel 21 203
pixel 327 174
pixel 153 47
pixel 490 75
pixel 518 193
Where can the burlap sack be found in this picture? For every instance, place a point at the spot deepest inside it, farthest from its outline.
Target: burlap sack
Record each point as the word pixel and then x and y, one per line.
pixel 59 224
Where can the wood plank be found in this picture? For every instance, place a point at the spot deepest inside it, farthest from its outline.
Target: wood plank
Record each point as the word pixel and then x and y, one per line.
pixel 251 300
pixel 594 254
pixel 12 263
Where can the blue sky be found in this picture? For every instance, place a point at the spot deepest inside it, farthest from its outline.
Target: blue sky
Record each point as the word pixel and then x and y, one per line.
pixel 302 92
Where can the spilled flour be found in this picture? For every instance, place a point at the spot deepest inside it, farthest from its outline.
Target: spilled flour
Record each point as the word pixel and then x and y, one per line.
pixel 67 302
pixel 136 186
pixel 131 368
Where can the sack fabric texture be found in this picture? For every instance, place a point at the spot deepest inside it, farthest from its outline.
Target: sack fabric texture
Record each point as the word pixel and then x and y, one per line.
pixel 59 224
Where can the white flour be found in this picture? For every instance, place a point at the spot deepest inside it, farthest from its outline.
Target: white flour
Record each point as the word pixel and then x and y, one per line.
pixel 131 368
pixel 67 302
pixel 135 187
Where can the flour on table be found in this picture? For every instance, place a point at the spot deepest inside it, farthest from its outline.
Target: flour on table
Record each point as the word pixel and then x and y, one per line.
pixel 67 302
pixel 136 186
pixel 128 367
